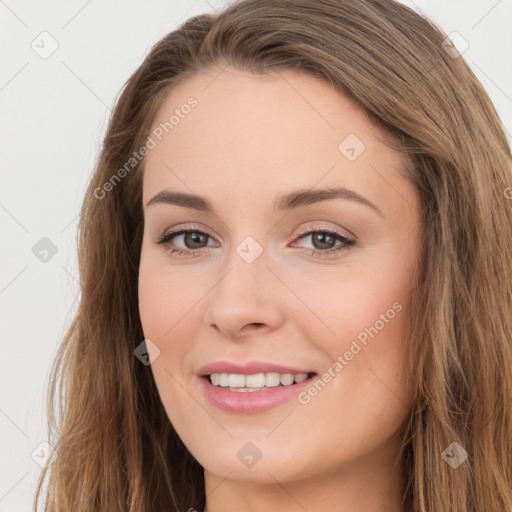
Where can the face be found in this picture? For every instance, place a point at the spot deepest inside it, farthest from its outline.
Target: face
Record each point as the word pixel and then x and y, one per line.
pixel 280 243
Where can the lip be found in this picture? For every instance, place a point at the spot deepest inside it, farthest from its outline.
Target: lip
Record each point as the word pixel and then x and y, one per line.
pixel 251 402
pixel 249 368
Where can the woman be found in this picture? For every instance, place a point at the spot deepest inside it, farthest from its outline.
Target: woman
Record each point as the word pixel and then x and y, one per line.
pixel 296 269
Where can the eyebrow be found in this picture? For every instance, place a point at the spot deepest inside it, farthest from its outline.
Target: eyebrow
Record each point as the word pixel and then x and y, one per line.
pixel 284 202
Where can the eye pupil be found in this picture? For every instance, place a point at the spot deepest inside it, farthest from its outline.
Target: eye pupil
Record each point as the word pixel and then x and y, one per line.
pixel 192 238
pixel 321 238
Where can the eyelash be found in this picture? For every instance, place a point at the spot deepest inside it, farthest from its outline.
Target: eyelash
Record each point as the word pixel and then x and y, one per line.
pixel 344 246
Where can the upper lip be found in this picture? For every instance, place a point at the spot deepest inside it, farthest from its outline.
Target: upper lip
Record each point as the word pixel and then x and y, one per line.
pixel 248 368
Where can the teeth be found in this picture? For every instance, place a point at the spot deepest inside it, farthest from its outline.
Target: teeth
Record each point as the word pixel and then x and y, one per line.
pixel 301 377
pixel 287 378
pixel 272 380
pixel 256 381
pixel 236 380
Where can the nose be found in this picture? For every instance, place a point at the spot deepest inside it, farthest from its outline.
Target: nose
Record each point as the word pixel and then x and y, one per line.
pixel 245 300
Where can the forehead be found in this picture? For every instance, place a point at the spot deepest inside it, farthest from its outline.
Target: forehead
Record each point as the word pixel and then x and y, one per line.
pixel 257 104
pixel 262 133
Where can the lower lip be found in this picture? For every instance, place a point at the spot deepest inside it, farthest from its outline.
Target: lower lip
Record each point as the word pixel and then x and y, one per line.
pixel 251 402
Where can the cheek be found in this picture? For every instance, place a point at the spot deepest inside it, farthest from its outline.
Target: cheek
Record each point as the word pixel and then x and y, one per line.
pixel 360 322
pixel 170 307
pixel 164 314
pixel 361 300
pixel 155 297
pixel 166 298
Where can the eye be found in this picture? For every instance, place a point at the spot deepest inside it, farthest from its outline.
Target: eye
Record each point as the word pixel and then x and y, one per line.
pixel 326 241
pixel 193 238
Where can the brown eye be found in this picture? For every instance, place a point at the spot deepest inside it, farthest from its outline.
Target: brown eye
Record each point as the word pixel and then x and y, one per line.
pixel 185 242
pixel 324 241
pixel 194 239
pixel 193 242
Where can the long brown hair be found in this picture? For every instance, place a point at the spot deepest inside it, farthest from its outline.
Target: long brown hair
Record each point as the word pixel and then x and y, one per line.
pixel 115 448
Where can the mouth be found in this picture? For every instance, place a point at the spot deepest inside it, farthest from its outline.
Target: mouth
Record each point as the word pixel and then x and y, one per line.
pixel 248 391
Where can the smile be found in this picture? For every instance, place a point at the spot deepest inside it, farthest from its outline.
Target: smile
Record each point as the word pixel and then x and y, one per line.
pixel 246 394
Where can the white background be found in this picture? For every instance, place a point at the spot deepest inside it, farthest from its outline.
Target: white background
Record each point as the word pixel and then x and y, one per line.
pixel 54 115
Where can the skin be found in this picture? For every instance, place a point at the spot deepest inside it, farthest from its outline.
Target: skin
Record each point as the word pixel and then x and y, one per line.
pixel 249 139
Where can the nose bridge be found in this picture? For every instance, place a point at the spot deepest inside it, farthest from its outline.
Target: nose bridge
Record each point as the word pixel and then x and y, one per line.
pixel 245 277
pixel 243 293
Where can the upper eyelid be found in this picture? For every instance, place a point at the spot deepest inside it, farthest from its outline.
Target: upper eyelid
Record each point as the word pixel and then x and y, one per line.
pixel 303 232
pixel 320 226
